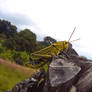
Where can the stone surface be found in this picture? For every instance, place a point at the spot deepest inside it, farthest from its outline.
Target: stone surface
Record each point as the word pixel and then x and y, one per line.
pixel 74 75
pixel 61 71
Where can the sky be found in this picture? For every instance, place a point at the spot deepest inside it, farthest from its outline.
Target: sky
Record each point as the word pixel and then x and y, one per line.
pixel 55 18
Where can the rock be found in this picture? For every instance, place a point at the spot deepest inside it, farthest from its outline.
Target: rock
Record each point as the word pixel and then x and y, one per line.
pixel 61 71
pixel 9 91
pixel 31 84
pixel 73 89
pixel 84 83
pixel 72 75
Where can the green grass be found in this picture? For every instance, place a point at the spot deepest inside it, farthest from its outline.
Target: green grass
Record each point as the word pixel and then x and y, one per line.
pixel 10 76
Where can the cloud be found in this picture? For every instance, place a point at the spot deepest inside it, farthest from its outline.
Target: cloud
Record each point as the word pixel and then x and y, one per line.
pixel 55 18
pixel 22 21
pixel 16 18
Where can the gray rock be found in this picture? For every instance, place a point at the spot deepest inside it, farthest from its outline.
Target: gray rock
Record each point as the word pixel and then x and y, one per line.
pixel 61 71
pixel 72 75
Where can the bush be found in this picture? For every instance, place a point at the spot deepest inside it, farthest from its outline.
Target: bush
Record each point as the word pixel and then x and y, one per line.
pixel 6 54
pixel 13 55
pixel 20 57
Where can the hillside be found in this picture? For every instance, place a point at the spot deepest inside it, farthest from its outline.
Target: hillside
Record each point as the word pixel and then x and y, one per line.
pixel 11 73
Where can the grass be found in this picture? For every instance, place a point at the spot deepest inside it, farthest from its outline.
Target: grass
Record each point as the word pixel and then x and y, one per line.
pixel 9 76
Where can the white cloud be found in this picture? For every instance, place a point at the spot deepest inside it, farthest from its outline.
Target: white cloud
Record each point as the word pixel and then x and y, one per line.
pixel 57 18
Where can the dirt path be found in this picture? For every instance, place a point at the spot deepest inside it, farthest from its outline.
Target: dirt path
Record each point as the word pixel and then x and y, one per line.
pixel 16 66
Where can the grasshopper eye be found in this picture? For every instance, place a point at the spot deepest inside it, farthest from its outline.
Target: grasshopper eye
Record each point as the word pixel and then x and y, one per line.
pixel 65 42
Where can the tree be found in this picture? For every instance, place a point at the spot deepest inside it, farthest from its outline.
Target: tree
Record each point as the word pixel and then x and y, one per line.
pixel 7 28
pixel 27 40
pixel 40 45
pixel 24 40
pixel 45 43
pixel 49 39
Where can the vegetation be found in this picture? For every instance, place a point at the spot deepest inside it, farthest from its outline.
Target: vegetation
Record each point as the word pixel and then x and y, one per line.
pixel 17 46
pixel 10 76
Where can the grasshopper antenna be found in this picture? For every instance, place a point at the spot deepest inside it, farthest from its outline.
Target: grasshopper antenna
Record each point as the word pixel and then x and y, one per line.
pixel 75 40
pixel 72 33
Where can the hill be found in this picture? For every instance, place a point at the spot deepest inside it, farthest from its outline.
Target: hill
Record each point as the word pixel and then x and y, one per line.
pixel 11 73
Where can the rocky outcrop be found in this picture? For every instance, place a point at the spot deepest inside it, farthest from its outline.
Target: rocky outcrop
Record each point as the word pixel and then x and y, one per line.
pixel 61 71
pixel 74 75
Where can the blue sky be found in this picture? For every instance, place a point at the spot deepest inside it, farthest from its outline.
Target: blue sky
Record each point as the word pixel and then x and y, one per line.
pixel 55 18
